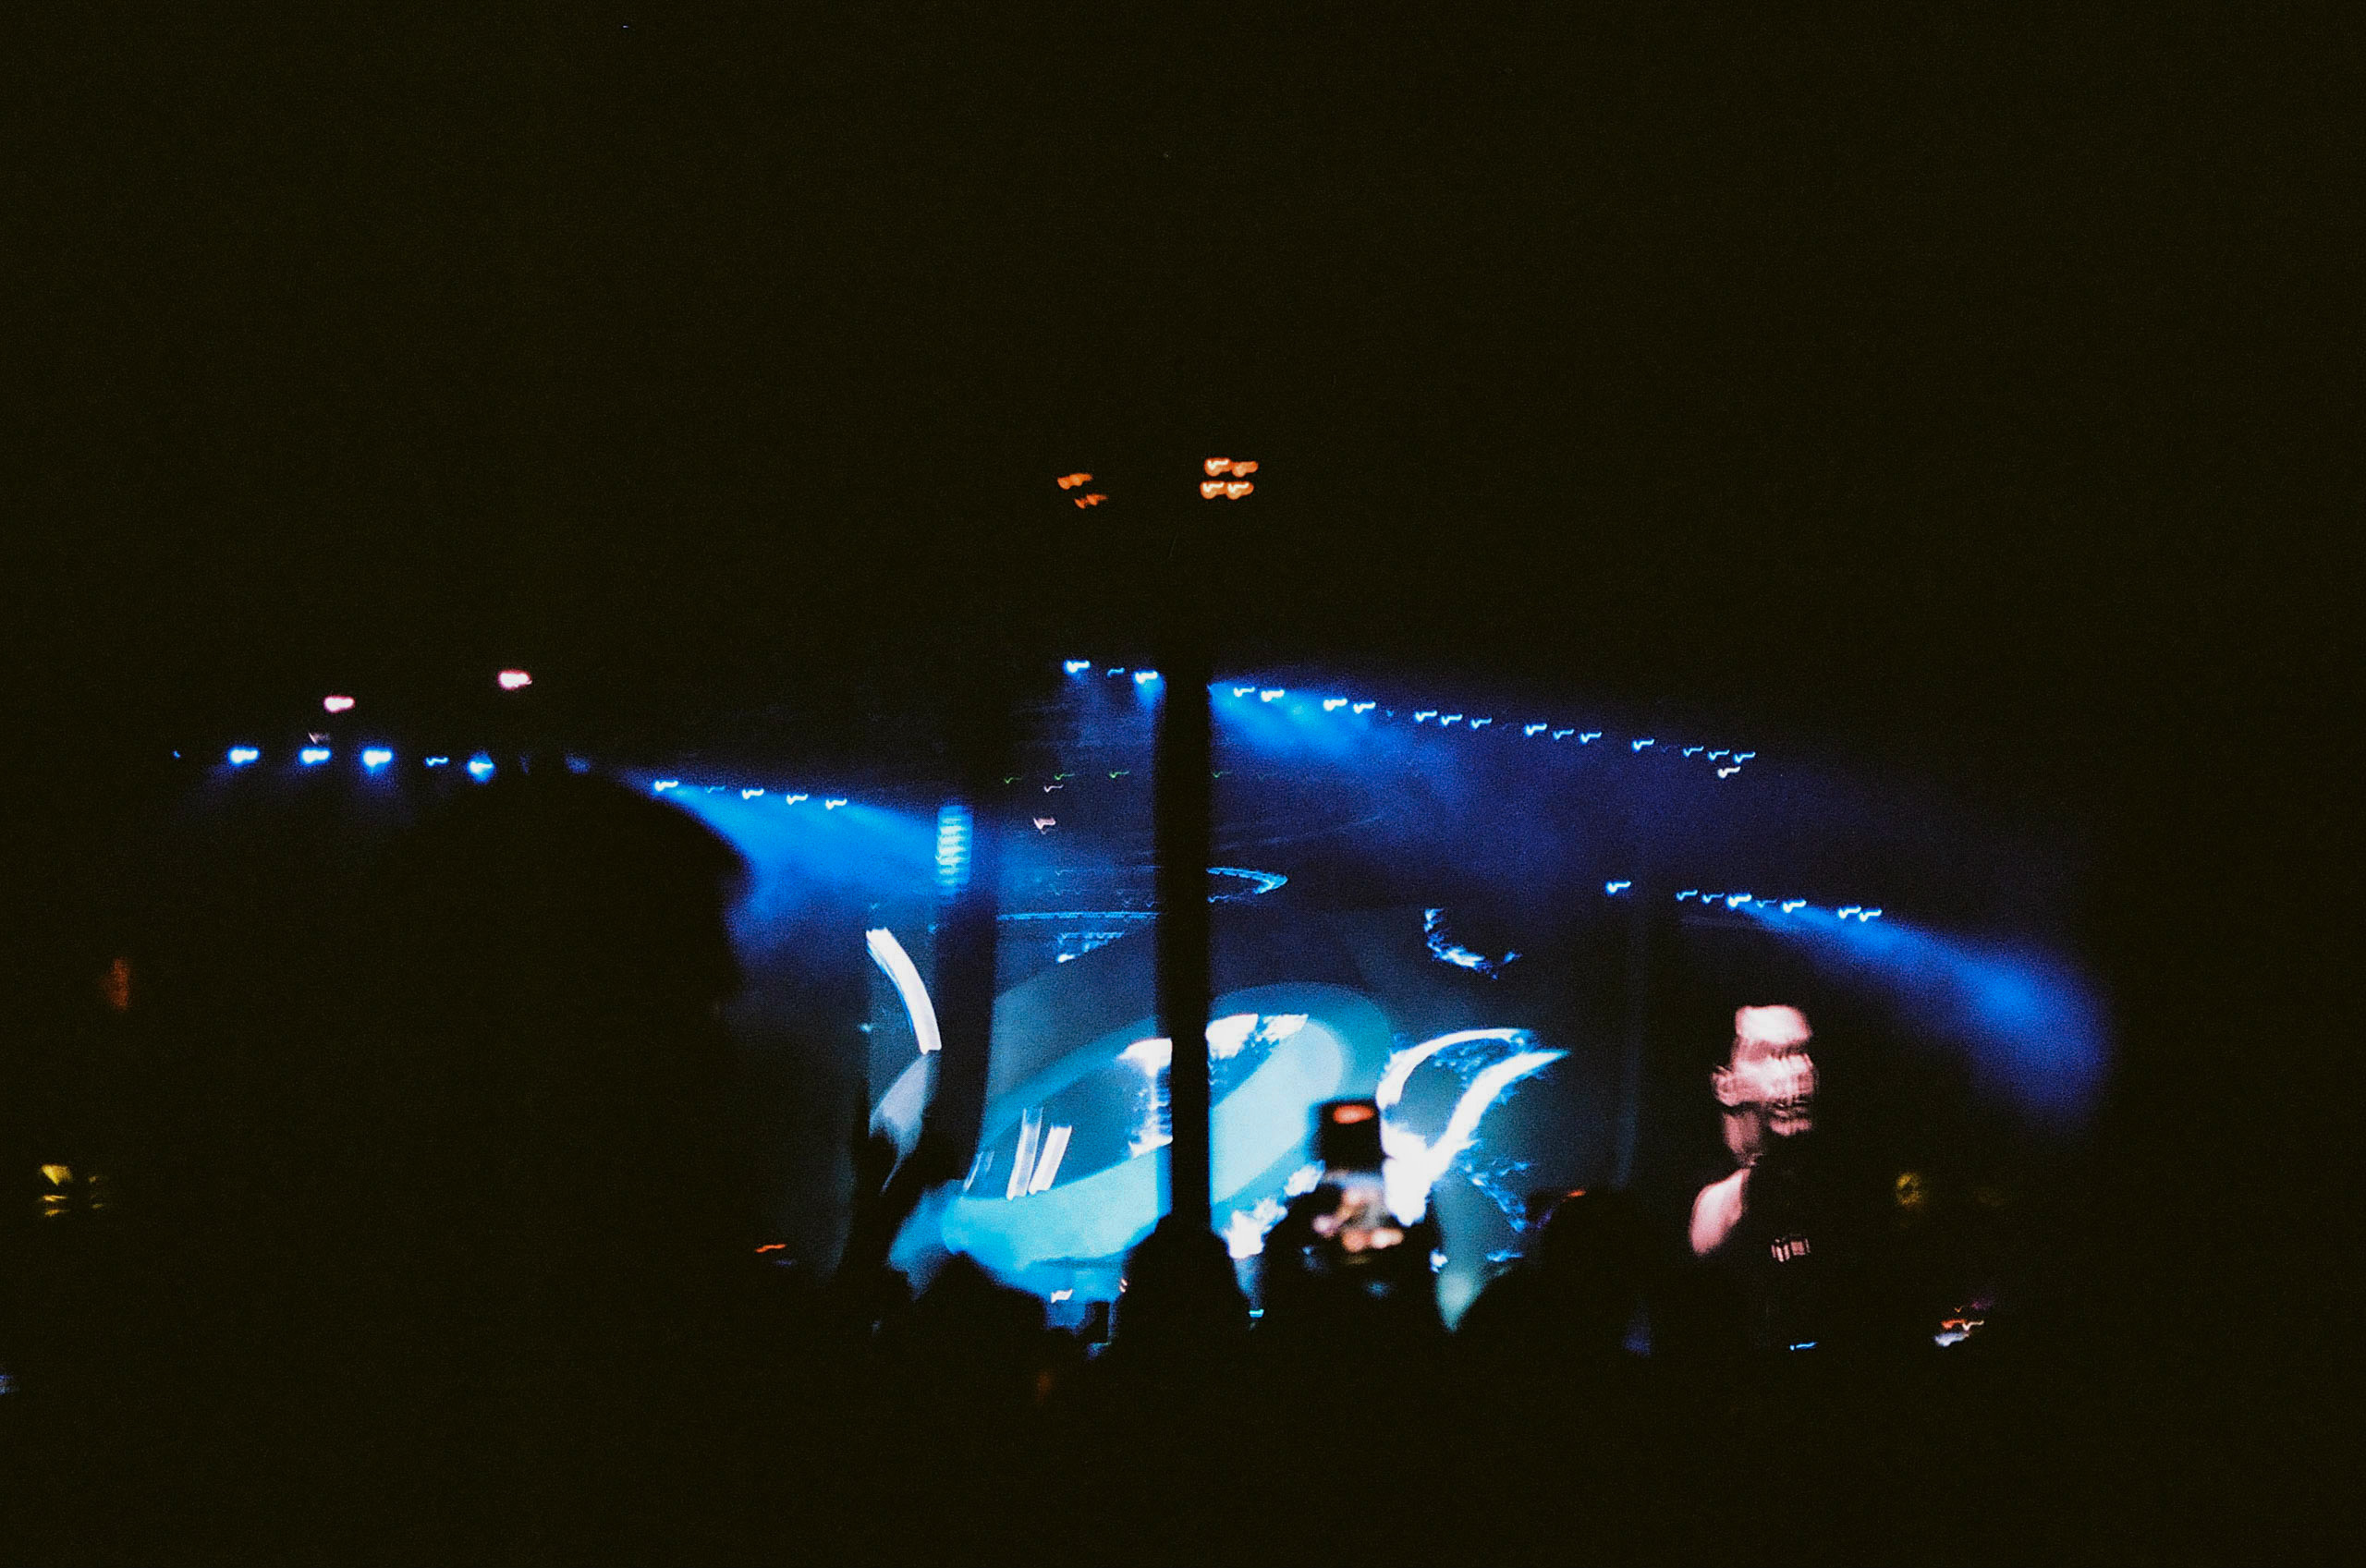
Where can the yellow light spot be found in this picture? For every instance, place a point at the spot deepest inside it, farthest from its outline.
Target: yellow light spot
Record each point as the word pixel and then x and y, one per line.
pixel 58 1175
pixel 1910 1192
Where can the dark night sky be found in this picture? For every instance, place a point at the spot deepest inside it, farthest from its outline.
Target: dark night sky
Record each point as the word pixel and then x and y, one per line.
pixel 1961 389
pixel 1893 373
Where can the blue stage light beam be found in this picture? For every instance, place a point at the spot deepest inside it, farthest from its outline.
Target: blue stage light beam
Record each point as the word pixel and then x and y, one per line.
pixel 2030 1025
pixel 241 756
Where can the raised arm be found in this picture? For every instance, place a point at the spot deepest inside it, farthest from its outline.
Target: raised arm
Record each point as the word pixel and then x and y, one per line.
pixel 1717 1212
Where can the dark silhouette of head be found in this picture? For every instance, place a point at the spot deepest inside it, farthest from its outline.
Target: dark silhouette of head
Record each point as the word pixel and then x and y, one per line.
pixel 1181 1294
pixel 1588 1259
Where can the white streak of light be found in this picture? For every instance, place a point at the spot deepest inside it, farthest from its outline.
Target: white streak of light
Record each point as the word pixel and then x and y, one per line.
pixel 889 954
pixel 1414 1164
pixel 1022 1164
pixel 1047 1163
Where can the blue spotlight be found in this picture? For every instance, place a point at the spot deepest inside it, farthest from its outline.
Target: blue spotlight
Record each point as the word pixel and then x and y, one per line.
pixel 834 803
pixel 376 757
pixel 1242 690
pixel 662 786
pixel 243 755
pixel 1616 888
pixel 480 767
pixel 434 761
pixel 1143 677
pixel 1740 756
pixel 1588 737
pixel 1117 669
pixel 312 756
pixel 1421 714
pixel 1640 745
pixel 1269 693
pixel 1361 706
pixel 1332 704
pixel 1480 723
pixel 1564 735
pixel 1076 667
pixel 1531 731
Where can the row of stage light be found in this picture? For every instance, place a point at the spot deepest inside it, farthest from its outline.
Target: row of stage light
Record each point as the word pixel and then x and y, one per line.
pixel 374 759
pixel 377 759
pixel 1725 759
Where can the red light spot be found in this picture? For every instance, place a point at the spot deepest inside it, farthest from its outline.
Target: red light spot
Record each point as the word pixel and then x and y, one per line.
pixel 1069 481
pixel 510 680
pixel 773 1246
pixel 1351 1113
pixel 117 986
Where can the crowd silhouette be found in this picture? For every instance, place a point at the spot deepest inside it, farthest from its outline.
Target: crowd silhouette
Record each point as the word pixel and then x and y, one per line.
pixel 477 1276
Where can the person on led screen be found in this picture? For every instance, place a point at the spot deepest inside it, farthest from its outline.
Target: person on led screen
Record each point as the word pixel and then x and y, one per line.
pixel 1760 1223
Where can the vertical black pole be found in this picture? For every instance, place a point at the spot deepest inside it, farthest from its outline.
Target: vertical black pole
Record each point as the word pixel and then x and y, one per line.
pixel 967 913
pixel 1184 791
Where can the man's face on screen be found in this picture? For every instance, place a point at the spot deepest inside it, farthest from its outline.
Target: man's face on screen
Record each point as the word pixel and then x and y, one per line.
pixel 1770 1070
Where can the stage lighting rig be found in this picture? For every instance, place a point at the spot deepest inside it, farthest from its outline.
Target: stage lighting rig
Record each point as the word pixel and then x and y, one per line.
pixel 1215 487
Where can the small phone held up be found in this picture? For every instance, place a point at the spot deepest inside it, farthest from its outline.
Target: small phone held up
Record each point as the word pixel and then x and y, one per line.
pixel 1347 1142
